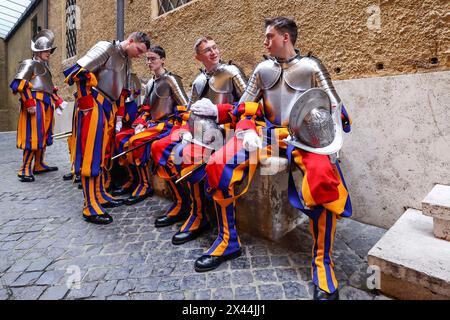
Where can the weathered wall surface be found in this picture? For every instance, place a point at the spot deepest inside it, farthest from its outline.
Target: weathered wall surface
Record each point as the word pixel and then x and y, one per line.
pixel 18 49
pixel 399 146
pixel 4 110
pixel 342 33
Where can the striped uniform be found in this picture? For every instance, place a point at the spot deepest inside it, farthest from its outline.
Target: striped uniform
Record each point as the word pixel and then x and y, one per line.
pixel 34 131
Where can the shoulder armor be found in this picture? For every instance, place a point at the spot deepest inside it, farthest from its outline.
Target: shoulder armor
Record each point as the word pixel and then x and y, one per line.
pixel 220 82
pixel 173 78
pixel 26 70
pixel 97 56
pixel 199 85
pixel 267 74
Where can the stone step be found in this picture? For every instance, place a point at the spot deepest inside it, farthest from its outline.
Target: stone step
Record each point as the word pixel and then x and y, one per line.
pixel 437 203
pixel 437 206
pixel 413 264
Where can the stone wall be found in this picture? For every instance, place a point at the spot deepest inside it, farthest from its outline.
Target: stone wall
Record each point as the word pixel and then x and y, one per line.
pixel 18 49
pixel 4 110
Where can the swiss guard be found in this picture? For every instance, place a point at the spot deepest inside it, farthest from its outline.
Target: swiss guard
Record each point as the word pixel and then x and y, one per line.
pixel 39 100
pixel 101 77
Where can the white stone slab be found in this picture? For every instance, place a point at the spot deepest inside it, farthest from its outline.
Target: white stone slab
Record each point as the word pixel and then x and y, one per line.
pixel 437 203
pixel 409 252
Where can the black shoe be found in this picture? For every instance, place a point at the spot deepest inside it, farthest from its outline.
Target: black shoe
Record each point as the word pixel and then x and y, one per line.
pixel 207 263
pixel 319 294
pixel 136 199
pixel 77 179
pixel 165 221
pixel 120 191
pixel 183 237
pixel 113 203
pixel 80 186
pixel 26 178
pixel 100 219
pixel 49 169
pixel 68 177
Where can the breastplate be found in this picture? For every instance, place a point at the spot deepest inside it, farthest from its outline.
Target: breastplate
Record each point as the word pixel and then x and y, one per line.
pixel 296 77
pixel 112 76
pixel 218 86
pixel 160 98
pixel 42 80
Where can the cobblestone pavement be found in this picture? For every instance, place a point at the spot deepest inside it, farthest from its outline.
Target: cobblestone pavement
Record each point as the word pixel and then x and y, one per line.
pixel 44 243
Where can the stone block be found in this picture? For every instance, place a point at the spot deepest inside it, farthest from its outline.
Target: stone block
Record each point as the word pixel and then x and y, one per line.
pixel 264 211
pixel 412 263
pixel 437 203
pixel 441 228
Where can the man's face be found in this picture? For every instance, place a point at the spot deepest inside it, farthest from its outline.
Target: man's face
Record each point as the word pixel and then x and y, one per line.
pixel 45 55
pixel 135 49
pixel 274 41
pixel 208 53
pixel 154 61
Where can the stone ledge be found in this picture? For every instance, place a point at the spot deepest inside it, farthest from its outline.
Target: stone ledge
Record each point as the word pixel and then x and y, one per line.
pixel 437 203
pixel 409 256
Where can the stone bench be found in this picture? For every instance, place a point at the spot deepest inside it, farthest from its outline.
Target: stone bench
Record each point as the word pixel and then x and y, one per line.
pixel 264 211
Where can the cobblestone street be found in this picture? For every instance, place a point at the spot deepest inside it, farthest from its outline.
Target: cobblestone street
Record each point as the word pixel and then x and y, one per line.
pixel 44 240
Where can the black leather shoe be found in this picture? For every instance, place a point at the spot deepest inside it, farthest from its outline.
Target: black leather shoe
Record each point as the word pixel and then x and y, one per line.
pixel 77 179
pixel 80 186
pixel 120 191
pixel 68 177
pixel 100 219
pixel 319 294
pixel 208 263
pixel 26 178
pixel 165 221
pixel 183 237
pixel 136 199
pixel 49 169
pixel 113 203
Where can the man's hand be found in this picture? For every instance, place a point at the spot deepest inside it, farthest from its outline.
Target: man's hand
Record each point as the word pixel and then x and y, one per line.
pixel 250 140
pixel 61 107
pixel 204 107
pixel 31 110
pixel 186 135
pixel 119 124
pixel 139 128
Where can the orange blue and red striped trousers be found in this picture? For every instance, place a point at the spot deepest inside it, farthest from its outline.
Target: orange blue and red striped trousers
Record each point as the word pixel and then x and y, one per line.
pixel 323 188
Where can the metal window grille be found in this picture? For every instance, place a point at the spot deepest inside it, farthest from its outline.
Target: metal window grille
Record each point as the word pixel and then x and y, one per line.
pixel 165 6
pixel 71 32
pixel 34 26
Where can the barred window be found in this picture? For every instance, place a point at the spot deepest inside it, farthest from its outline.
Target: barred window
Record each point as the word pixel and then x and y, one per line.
pixel 34 26
pixel 169 5
pixel 71 30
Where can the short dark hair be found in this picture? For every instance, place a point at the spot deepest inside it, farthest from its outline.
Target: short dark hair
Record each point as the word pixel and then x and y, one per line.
pixel 141 37
pixel 284 25
pixel 158 50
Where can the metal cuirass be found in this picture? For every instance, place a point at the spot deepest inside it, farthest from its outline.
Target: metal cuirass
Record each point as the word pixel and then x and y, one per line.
pixel 163 94
pixel 223 85
pixel 37 73
pixel 110 65
pixel 281 83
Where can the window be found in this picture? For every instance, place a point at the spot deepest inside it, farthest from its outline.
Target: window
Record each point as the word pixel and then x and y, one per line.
pixel 34 26
pixel 165 6
pixel 71 30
